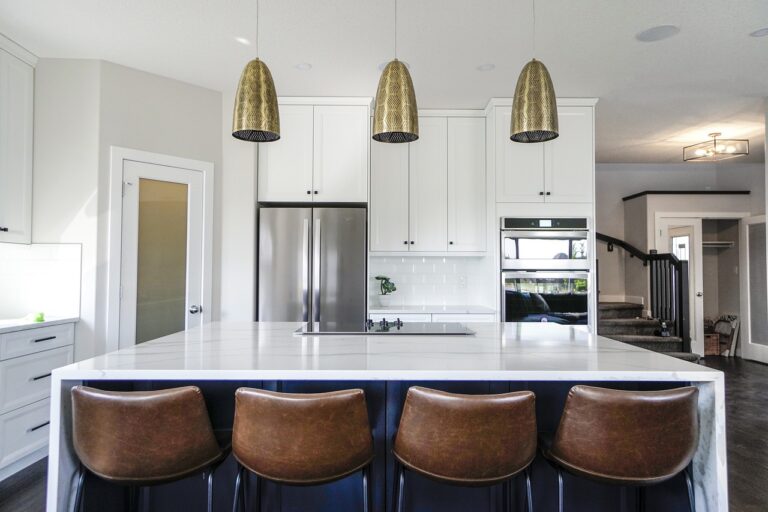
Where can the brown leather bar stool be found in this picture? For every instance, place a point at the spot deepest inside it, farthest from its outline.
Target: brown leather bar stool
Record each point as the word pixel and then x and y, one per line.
pixel 466 440
pixel 300 439
pixel 636 438
pixel 143 438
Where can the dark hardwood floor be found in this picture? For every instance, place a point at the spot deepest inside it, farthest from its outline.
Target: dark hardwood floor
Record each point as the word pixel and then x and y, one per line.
pixel 746 389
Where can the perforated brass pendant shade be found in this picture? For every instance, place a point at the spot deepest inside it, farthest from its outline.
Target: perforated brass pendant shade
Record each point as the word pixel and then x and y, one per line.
pixel 534 108
pixel 256 117
pixel 395 117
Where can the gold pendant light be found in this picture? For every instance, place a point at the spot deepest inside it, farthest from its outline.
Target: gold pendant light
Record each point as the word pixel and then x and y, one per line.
pixel 395 116
pixel 256 117
pixel 534 107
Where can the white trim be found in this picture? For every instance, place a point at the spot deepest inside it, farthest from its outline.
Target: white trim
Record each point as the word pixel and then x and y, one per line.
pixel 18 51
pixel 114 245
pixel 745 347
pixel 561 102
pixel 451 113
pixel 325 100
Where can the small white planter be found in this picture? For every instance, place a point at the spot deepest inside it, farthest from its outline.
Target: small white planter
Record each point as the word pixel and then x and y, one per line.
pixel 385 300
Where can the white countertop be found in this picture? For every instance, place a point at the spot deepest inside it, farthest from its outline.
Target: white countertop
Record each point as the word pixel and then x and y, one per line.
pixel 456 310
pixel 20 324
pixel 271 351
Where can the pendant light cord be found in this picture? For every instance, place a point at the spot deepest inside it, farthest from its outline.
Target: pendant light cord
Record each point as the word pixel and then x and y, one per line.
pixel 395 28
pixel 533 6
pixel 258 19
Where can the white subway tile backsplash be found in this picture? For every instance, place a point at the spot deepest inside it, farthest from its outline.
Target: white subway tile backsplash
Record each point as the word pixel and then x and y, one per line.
pixel 424 280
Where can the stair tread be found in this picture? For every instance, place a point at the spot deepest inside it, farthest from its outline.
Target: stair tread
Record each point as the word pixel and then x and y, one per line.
pixel 629 321
pixel 642 338
pixel 619 305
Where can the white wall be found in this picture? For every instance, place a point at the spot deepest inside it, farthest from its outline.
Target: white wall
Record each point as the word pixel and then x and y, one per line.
pixel 82 107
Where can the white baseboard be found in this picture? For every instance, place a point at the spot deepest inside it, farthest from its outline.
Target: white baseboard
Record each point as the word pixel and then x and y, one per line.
pixel 27 460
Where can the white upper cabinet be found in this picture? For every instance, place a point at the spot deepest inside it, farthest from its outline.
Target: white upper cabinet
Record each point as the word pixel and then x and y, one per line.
pixel 519 167
pixel 466 184
pixel 341 154
pixel 428 225
pixel 388 207
pixel 569 159
pixel 558 171
pixel 16 98
pixel 322 156
pixel 285 166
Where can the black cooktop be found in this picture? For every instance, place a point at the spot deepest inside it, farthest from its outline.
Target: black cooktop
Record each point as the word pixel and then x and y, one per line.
pixel 386 327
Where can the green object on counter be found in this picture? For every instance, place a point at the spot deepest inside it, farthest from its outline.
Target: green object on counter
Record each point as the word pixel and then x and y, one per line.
pixel 39 317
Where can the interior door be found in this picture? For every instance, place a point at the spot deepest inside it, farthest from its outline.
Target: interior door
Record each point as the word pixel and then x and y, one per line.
pixel 753 286
pixel 161 278
pixel 682 237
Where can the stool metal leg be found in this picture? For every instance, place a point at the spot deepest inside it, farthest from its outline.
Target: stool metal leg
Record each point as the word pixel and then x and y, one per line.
pixel 528 491
pixel 399 487
pixel 257 499
pixel 560 489
pixel 366 489
pixel 78 507
pixel 641 499
pixel 236 502
pixel 689 485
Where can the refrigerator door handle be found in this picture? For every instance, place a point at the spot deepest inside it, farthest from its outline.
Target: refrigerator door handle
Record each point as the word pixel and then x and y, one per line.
pixel 305 272
pixel 316 271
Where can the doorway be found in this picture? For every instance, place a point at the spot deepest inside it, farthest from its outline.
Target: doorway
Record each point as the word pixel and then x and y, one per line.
pixel 160 274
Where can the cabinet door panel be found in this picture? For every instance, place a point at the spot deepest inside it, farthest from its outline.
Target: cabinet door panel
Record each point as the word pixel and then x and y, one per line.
pixel 285 166
pixel 429 186
pixel 341 154
pixel 519 167
pixel 570 159
pixel 16 92
pixel 466 184
pixel 388 207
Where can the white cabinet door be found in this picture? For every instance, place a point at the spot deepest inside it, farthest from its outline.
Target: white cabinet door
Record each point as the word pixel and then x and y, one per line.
pixel 519 167
pixel 388 206
pixel 341 154
pixel 429 186
pixel 570 158
pixel 405 317
pixel 459 317
pixel 285 166
pixel 466 184
pixel 16 96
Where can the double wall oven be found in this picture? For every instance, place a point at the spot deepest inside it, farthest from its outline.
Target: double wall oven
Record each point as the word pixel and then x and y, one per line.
pixel 545 269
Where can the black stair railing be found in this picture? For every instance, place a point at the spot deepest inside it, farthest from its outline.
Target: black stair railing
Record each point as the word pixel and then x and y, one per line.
pixel 668 286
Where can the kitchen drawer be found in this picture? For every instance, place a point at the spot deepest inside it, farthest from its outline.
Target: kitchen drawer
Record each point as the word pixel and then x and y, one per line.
pixel 457 317
pixel 23 431
pixel 36 339
pixel 407 317
pixel 27 379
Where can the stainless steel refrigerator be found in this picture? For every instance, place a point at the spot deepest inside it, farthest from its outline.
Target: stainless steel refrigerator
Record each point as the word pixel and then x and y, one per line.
pixel 312 265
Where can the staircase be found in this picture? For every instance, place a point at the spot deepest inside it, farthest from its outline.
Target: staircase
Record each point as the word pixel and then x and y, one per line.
pixel 624 322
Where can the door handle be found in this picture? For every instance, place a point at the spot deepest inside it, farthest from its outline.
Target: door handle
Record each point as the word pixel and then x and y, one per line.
pixel 699 294
pixel 316 271
pixel 195 309
pixel 306 292
pixel 4 229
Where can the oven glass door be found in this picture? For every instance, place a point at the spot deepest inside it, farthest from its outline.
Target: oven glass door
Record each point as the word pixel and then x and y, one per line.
pixel 543 250
pixel 558 297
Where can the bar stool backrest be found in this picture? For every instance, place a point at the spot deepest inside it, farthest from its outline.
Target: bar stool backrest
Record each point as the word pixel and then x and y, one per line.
pixel 302 439
pixel 627 437
pixel 142 437
pixel 471 440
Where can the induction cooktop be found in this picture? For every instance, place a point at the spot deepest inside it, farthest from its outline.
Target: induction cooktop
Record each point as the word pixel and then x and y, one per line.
pixel 386 327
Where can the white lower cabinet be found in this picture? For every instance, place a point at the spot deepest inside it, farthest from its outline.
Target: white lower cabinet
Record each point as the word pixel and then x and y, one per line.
pixel 466 318
pixel 407 317
pixel 27 359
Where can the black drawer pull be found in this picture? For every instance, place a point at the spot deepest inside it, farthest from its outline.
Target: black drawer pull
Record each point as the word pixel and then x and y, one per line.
pixel 38 427
pixel 48 338
pixel 4 230
pixel 40 377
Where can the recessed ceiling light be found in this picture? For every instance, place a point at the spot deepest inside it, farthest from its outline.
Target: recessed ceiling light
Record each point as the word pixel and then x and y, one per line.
pixel 486 67
pixel 762 32
pixel 384 64
pixel 304 66
pixel 243 41
pixel 657 33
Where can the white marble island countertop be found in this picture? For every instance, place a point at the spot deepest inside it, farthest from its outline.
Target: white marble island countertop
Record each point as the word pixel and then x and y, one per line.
pixel 524 351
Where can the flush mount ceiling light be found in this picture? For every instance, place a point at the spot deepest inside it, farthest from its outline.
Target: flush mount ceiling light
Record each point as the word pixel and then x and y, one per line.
pixel 534 107
pixel 395 116
pixel 760 32
pixel 244 41
pixel 716 149
pixel 659 33
pixel 256 117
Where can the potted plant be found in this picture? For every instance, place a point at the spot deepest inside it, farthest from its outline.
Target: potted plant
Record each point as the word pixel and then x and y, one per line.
pixel 386 287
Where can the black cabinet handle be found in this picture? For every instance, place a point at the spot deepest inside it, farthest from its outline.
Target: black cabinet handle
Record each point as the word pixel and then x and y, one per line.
pixel 549 193
pixel 450 243
pixel 309 192
pixel 405 242
pixel 40 377
pixel 541 193
pixel 48 338
pixel 412 242
pixel 38 427
pixel 4 230
pixel 315 191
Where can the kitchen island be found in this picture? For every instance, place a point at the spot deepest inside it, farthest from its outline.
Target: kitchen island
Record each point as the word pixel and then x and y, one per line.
pixel 547 359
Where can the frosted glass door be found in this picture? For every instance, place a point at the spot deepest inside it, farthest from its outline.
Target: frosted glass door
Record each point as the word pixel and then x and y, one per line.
pixel 754 290
pixel 161 275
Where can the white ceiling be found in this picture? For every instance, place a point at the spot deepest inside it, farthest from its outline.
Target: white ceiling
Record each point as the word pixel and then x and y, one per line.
pixel 654 97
